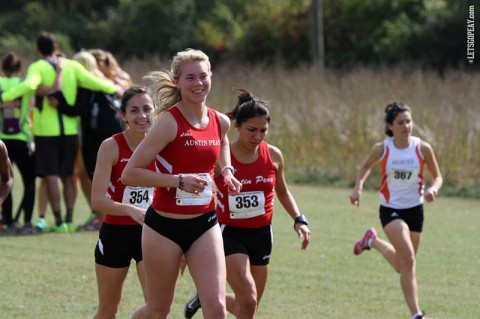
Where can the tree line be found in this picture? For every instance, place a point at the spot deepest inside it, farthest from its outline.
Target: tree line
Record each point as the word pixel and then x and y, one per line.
pixel 425 33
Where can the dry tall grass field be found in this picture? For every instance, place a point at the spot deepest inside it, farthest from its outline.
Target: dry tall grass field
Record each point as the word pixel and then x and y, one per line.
pixel 326 124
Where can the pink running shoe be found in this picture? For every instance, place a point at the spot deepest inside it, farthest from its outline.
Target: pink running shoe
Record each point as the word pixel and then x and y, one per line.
pixel 362 244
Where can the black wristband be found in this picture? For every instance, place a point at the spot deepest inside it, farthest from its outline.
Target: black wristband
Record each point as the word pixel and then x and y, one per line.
pixel 300 220
pixel 180 181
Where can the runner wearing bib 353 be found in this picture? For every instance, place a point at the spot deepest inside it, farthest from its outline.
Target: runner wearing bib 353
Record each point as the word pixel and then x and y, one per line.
pixel 246 218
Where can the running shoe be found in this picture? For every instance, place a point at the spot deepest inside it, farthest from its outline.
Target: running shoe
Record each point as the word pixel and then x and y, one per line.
pixel 365 242
pixel 91 224
pixel 41 224
pixel 191 307
pixel 71 227
pixel 89 220
pixel 11 229
pixel 420 315
pixel 28 229
pixel 60 229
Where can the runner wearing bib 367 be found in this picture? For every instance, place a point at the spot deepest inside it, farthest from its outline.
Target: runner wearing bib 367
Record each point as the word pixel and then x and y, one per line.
pixel 120 236
pixel 402 158
pixel 246 218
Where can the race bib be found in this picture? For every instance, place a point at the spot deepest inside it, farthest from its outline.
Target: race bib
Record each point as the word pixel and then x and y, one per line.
pixel 403 178
pixel 201 199
pixel 140 197
pixel 246 205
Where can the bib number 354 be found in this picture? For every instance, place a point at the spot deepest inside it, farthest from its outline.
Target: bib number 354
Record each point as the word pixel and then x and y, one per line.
pixel 138 196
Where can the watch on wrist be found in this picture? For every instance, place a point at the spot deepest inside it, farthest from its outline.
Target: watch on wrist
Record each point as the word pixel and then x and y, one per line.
pixel 300 220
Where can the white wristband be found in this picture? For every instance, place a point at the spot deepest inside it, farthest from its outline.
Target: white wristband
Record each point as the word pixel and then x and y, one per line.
pixel 230 167
pixel 433 190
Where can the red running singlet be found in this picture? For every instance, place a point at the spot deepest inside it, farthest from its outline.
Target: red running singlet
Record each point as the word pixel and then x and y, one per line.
pixel 253 207
pixel 194 150
pixel 118 192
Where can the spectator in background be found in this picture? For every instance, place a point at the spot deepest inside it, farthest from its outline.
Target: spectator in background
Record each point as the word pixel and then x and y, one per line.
pixel 109 66
pixel 56 133
pixel 16 134
pixel 99 119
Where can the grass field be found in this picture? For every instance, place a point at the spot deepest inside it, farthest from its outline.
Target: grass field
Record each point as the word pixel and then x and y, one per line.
pixel 52 276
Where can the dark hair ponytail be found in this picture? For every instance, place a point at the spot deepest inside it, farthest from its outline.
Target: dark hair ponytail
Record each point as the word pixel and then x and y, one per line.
pixel 248 107
pixel 391 112
pixel 11 64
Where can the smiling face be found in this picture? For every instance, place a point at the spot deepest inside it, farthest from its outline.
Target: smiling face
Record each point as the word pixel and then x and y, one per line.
pixel 402 125
pixel 194 82
pixel 138 111
pixel 253 131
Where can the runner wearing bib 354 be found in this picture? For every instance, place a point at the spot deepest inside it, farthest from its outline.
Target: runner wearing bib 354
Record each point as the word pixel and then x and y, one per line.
pixel 120 237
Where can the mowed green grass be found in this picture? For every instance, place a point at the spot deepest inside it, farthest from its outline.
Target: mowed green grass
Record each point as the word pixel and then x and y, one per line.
pixel 52 276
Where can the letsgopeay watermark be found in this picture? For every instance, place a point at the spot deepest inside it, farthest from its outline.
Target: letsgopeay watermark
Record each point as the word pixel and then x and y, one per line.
pixel 471 34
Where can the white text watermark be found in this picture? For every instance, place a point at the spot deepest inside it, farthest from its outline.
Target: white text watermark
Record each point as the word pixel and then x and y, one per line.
pixel 471 34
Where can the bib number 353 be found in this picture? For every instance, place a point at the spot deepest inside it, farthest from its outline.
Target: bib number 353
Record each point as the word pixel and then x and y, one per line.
pixel 246 205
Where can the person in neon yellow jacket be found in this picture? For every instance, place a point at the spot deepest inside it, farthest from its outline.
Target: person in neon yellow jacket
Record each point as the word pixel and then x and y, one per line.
pixel 56 134
pixel 16 133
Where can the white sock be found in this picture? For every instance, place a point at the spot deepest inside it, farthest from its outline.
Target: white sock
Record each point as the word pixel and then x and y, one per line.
pixel 369 242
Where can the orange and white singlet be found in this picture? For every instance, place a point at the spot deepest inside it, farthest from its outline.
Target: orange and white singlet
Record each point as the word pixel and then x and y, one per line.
pixel 402 175
pixel 194 150
pixel 138 196
pixel 253 207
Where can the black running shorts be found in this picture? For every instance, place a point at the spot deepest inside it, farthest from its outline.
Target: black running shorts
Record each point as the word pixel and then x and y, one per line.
pixel 413 217
pixel 117 245
pixel 183 232
pixel 55 155
pixel 254 242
